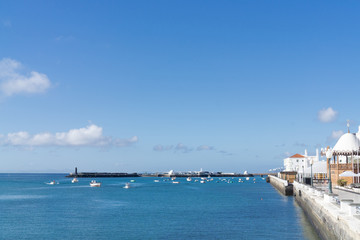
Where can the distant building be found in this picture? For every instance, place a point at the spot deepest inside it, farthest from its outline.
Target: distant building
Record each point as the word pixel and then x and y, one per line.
pixel 298 162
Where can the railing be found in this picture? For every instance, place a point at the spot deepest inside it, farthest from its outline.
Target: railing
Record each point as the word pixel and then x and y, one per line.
pixel 344 166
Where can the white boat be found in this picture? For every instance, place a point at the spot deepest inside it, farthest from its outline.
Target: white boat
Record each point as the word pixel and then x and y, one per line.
pixel 51 183
pixel 127 185
pixel 156 180
pixel 247 179
pixel 176 182
pixel 188 179
pixel 202 181
pixel 132 180
pixel 74 180
pixel 94 183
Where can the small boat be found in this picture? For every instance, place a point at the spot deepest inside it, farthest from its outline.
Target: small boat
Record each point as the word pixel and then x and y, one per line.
pixel 173 178
pixel 94 183
pixel 132 180
pixel 176 182
pixel 74 180
pixel 156 180
pixel 202 181
pixel 127 185
pixel 51 183
pixel 247 179
pixel 188 179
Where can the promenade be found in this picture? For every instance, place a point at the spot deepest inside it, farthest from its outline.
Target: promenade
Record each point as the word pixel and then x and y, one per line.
pixel 335 216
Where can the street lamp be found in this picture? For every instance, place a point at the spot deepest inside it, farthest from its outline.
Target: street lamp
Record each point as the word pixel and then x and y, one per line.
pixel 329 155
pixel 311 163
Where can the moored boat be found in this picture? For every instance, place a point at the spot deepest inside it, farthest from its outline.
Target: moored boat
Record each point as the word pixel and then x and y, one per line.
pixel 94 183
pixel 74 180
pixel 127 185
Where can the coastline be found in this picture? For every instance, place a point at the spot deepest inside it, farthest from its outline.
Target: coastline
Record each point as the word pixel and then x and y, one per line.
pixel 181 175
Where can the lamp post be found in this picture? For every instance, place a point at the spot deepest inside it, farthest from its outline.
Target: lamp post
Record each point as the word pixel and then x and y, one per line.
pixel 311 163
pixel 329 155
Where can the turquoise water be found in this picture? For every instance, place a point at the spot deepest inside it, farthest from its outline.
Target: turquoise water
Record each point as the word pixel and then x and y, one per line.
pixel 31 209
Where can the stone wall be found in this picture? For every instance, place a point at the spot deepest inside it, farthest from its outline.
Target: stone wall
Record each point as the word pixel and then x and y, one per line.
pixel 329 220
pixel 281 185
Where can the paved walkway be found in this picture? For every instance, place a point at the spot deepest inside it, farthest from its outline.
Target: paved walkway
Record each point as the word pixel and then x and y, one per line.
pixel 347 195
pixel 343 194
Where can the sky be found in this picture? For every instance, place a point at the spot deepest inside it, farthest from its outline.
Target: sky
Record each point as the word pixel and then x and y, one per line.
pixel 148 86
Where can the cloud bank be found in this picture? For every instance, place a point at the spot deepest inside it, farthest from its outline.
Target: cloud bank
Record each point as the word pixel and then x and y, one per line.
pixel 204 147
pixel 180 147
pixel 160 148
pixel 327 115
pixel 91 135
pixel 13 81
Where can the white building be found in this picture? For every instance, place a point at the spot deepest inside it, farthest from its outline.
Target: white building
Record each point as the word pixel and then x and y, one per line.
pixel 298 162
pixel 348 141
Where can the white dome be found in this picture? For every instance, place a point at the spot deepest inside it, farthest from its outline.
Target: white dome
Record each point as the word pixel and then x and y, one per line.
pixel 347 143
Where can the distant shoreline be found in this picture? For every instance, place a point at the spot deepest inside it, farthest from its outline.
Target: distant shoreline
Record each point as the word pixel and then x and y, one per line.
pixel 105 174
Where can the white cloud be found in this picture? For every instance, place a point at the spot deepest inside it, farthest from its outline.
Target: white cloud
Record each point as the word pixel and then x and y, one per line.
pixel 327 115
pixel 91 135
pixel 181 147
pixel 161 148
pixel 336 134
pixel 126 142
pixel 204 147
pixel 13 81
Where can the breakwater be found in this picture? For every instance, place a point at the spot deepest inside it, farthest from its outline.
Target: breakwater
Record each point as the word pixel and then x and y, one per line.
pixel 332 217
pixel 184 175
pixel 101 174
pixel 282 185
pixel 196 175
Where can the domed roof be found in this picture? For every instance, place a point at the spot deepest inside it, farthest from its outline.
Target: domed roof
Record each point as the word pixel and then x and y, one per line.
pixel 347 144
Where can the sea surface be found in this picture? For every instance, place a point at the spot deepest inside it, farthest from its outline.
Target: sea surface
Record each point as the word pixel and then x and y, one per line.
pixel 218 209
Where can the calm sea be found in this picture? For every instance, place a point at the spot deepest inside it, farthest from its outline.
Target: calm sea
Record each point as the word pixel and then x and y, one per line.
pixel 31 209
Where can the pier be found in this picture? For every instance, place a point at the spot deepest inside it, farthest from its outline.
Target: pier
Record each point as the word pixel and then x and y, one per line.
pixel 281 185
pixel 101 174
pixel 169 174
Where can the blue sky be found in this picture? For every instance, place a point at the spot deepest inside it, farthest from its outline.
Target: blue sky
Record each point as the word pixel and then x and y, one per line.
pixel 139 86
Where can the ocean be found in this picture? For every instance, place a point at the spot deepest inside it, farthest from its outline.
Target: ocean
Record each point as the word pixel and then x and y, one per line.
pixel 32 209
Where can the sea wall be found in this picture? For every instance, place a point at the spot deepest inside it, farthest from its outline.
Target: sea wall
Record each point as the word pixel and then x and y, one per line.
pixel 282 185
pixel 331 217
